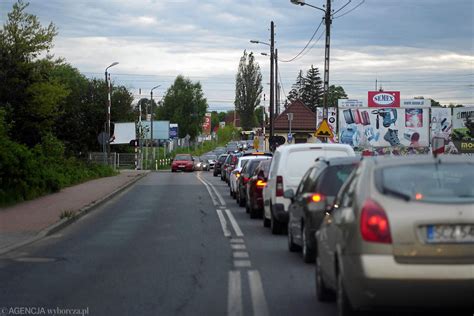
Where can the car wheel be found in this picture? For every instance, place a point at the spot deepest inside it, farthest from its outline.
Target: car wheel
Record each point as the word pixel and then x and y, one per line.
pixel 172 170
pixel 248 210
pixel 344 307
pixel 275 226
pixel 292 247
pixel 266 221
pixel 322 292
pixel 308 251
pixel 241 201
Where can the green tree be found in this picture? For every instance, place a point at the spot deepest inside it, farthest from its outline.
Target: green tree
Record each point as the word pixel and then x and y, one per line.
pixel 248 90
pixel 312 94
pixel 221 116
pixel 335 93
pixel 296 89
pixel 214 120
pixel 259 115
pixel 184 103
pixel 28 92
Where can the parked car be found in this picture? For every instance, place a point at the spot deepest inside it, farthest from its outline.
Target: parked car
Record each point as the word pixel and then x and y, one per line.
pixel 289 164
pixel 254 188
pixel 219 162
pixel 317 189
pixel 244 178
pixel 183 162
pixel 400 234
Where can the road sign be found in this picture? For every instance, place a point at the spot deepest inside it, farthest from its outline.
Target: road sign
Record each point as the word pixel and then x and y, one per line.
pixel 103 138
pixel 290 137
pixel 324 130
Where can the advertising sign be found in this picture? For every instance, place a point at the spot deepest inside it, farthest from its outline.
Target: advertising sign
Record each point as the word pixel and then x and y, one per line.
pixel 384 99
pixel 160 129
pixel 441 125
pixel 463 129
pixel 173 131
pixel 343 103
pixel 411 103
pixel 123 133
pixel 384 127
pixel 206 125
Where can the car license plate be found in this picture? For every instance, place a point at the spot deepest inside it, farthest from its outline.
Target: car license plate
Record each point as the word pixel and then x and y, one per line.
pixel 182 166
pixel 460 233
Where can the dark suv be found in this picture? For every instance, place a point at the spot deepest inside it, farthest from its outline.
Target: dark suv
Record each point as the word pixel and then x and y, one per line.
pixel 315 193
pixel 218 164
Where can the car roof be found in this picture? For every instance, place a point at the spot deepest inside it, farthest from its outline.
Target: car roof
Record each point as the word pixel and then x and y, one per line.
pixel 290 147
pixel 416 159
pixel 333 161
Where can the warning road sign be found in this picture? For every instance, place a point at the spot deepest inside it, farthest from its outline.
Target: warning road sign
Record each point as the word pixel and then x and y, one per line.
pixel 324 130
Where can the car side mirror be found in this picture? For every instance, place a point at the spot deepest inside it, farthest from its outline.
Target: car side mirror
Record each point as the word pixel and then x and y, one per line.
pixel 289 194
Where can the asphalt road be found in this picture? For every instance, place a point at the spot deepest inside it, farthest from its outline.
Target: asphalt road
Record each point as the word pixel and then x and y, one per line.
pixel 173 244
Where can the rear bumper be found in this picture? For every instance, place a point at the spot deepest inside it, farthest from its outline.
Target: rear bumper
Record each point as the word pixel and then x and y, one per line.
pixel 379 281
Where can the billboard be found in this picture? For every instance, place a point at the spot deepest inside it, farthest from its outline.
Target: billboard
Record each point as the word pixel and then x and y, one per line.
pixel 123 133
pixel 410 103
pixel 206 125
pixel 160 129
pixel 384 98
pixel 384 127
pixel 463 129
pixel 173 133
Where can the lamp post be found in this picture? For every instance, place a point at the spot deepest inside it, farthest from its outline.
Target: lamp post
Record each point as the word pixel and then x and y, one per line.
pixel 109 103
pixel 151 104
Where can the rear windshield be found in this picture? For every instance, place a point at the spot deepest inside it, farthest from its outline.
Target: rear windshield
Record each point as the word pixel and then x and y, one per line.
pixel 222 158
pixel 300 161
pixel 182 157
pixel 252 165
pixel 332 178
pixel 441 182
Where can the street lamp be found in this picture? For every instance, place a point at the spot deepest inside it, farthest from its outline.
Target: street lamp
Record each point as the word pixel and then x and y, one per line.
pixel 151 101
pixel 328 21
pixel 109 104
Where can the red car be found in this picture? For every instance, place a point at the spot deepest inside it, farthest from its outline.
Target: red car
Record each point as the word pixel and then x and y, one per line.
pixel 254 188
pixel 182 162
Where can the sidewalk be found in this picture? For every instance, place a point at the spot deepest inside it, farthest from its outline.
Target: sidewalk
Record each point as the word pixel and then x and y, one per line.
pixel 28 221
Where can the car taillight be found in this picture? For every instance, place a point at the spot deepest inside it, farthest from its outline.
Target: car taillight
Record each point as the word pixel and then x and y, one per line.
pixel 374 225
pixel 279 186
pixel 237 174
pixel 261 183
pixel 246 179
pixel 315 198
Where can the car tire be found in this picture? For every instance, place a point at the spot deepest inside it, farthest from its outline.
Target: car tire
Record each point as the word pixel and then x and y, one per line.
pixel 266 221
pixel 308 252
pixel 292 247
pixel 172 170
pixel 344 307
pixel 323 293
pixel 275 226
pixel 241 201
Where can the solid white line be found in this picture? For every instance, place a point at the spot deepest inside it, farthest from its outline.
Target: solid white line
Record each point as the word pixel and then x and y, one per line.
pixel 259 303
pixel 234 298
pixel 219 196
pixel 225 229
pixel 236 227
pixel 214 200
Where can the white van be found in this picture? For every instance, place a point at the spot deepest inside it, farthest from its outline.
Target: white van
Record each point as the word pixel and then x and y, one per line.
pixel 289 164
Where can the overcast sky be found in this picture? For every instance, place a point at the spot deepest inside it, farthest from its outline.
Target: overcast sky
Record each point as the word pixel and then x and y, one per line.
pixel 419 47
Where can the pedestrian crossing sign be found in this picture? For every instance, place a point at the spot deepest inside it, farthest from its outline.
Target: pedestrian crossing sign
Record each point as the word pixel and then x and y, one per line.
pixel 324 130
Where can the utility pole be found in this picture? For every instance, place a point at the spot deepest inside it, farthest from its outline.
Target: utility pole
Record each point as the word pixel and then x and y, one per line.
pixel 328 21
pixel 272 77
pixel 277 85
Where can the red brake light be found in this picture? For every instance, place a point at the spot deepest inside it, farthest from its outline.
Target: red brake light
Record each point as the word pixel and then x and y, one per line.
pixel 261 183
pixel 246 179
pixel 316 197
pixel 279 186
pixel 374 225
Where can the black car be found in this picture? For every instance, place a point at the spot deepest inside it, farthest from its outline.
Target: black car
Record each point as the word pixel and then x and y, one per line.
pixel 245 175
pixel 315 193
pixel 218 164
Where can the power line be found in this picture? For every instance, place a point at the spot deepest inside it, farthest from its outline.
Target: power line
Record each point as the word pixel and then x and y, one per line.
pixel 307 44
pixel 347 12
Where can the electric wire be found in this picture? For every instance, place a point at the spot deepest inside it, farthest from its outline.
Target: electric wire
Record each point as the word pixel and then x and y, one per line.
pixel 306 46
pixel 347 12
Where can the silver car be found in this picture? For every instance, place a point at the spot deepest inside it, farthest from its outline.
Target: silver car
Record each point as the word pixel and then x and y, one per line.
pixel 400 234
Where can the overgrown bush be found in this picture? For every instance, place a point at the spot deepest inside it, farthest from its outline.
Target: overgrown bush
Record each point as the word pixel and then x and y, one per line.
pixel 28 173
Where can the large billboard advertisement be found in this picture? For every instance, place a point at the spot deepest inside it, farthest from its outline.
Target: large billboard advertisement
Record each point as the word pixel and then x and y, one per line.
pixel 463 129
pixel 206 125
pixel 384 127
pixel 160 129
pixel 383 99
pixel 123 133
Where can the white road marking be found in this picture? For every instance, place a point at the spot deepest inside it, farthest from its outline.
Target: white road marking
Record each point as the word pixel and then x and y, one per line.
pixel 242 263
pixel 237 247
pixel 225 229
pixel 236 227
pixel 259 303
pixel 240 254
pixel 209 190
pixel 237 241
pixel 217 194
pixel 234 298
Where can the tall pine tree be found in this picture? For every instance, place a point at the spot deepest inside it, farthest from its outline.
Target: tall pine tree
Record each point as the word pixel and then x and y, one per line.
pixel 313 93
pixel 296 89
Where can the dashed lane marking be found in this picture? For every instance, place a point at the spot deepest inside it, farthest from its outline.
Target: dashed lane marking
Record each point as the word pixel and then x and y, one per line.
pixel 234 298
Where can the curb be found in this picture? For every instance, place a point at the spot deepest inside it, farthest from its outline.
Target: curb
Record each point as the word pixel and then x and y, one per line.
pixel 54 228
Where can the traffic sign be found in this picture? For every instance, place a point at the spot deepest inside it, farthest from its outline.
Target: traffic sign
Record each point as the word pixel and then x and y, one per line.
pixel 324 130
pixel 290 137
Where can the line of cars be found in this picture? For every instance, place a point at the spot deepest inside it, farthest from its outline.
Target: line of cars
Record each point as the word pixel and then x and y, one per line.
pixel 187 162
pixel 384 233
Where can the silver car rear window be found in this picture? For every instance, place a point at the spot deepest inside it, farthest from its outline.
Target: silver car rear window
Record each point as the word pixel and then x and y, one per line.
pixel 440 182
